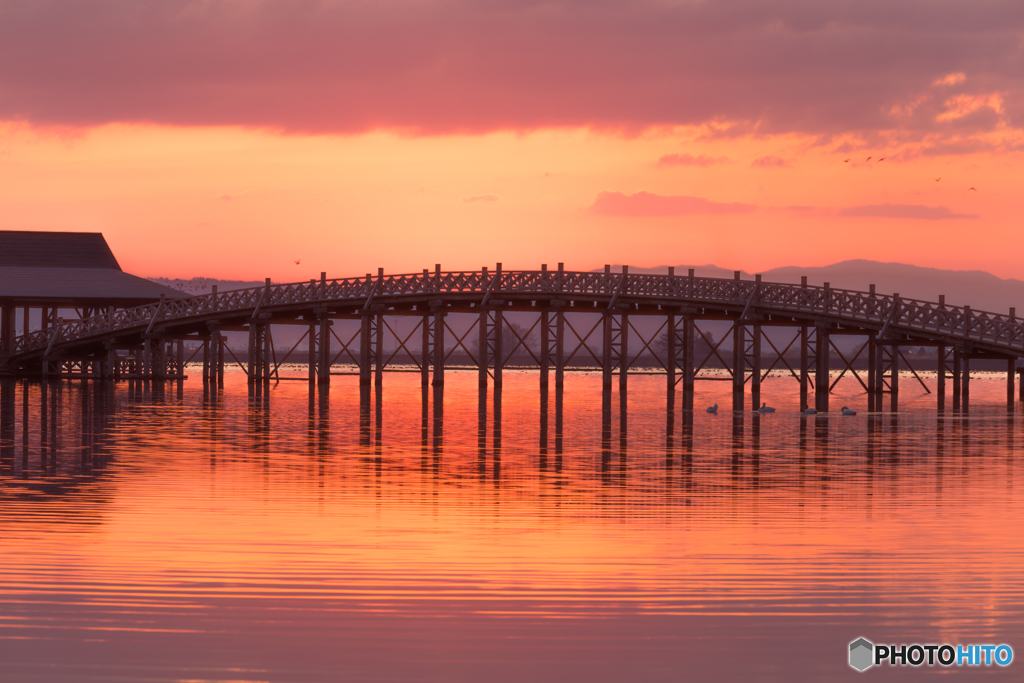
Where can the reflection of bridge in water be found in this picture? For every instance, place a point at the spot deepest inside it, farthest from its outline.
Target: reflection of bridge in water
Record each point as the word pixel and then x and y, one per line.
pixel 46 455
pixel 148 342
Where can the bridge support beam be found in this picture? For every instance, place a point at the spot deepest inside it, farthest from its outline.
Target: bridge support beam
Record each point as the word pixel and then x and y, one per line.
pixel 312 357
pixel 755 366
pixel 739 372
pixel 438 347
pixel 805 366
pixel 940 378
pixel 545 351
pixel 965 383
pixel 258 346
pixel 689 345
pixel 378 353
pixel 873 401
pixel 425 354
pixel 1011 372
pixel 365 348
pixel 894 379
pixel 821 371
pixel 483 344
pixel 956 378
pixel 606 350
pixel 671 361
pixel 499 349
pixel 323 365
pixel 623 357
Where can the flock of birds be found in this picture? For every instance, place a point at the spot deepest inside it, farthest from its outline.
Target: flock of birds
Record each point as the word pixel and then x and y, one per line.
pixel 881 159
pixel 766 409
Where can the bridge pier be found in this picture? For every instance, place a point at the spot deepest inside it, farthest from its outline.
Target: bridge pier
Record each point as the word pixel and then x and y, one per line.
pixel 871 372
pixel 965 383
pixel 257 350
pixel 805 365
pixel 438 346
pixel 499 349
pixel 1011 371
pixel 606 350
pixel 821 371
pixel 940 378
pixel 623 356
pixel 689 344
pixel 755 366
pixel 957 386
pixel 894 379
pixel 738 370
pixel 670 366
pixel 545 348
pixel 425 355
pixel 365 348
pixel 323 343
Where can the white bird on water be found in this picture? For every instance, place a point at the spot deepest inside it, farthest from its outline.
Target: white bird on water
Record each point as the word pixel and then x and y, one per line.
pixel 713 409
pixel 765 408
pixel 847 411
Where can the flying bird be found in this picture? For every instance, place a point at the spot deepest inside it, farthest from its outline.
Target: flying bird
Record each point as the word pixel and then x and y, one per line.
pixel 846 161
pixel 297 261
pixel 972 189
pixel 938 179
pixel 868 159
pixel 881 160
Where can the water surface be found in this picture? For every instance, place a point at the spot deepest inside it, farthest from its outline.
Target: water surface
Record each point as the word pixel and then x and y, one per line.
pixel 170 534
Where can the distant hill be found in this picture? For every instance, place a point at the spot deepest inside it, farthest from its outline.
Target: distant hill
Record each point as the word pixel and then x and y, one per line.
pixel 978 289
pixel 204 285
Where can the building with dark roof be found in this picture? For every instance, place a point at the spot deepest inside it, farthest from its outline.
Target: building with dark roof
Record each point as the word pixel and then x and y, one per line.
pixel 45 273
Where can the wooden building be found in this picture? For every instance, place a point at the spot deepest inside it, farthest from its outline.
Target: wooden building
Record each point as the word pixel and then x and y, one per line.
pixel 48 275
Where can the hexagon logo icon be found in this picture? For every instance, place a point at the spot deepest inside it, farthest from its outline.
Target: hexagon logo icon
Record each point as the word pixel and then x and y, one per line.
pixel 862 654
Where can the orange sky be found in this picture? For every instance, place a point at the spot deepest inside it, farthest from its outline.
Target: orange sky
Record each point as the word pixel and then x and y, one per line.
pixel 478 147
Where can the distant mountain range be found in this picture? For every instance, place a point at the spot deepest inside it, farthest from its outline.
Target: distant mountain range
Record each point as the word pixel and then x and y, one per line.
pixel 976 288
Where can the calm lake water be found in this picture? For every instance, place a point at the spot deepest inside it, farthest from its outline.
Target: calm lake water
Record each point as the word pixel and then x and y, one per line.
pixel 171 536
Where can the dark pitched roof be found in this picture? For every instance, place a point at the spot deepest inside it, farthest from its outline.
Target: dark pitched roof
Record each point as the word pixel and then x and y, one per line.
pixel 75 268
pixel 26 249
pixel 80 286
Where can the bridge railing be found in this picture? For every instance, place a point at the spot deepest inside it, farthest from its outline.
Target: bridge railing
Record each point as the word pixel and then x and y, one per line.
pixel 896 312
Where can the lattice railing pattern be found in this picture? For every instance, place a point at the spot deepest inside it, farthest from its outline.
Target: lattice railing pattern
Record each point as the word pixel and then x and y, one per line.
pixel 906 315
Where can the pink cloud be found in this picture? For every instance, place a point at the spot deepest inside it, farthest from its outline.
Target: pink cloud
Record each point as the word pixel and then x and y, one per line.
pixel 771 162
pixel 912 211
pixel 462 66
pixel 643 204
pixel 689 160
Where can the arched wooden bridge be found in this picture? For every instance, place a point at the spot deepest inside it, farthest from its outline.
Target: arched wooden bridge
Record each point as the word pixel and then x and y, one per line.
pixel 146 342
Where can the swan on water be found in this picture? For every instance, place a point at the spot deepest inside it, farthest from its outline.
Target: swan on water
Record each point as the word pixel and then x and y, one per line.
pixel 765 408
pixel 847 411
pixel 810 411
pixel 713 409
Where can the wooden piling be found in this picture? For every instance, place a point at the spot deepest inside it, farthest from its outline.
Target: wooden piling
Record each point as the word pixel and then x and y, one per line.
pixel 365 344
pixel 670 362
pixel 965 383
pixel 957 371
pixel 755 366
pixel 623 355
pixel 1011 371
pixel 821 373
pixel 689 362
pixel 738 365
pixel 894 379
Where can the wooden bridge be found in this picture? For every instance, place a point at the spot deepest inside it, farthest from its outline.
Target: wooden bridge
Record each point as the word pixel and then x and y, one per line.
pixel 148 342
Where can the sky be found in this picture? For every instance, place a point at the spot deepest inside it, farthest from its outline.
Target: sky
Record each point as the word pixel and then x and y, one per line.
pixel 244 139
